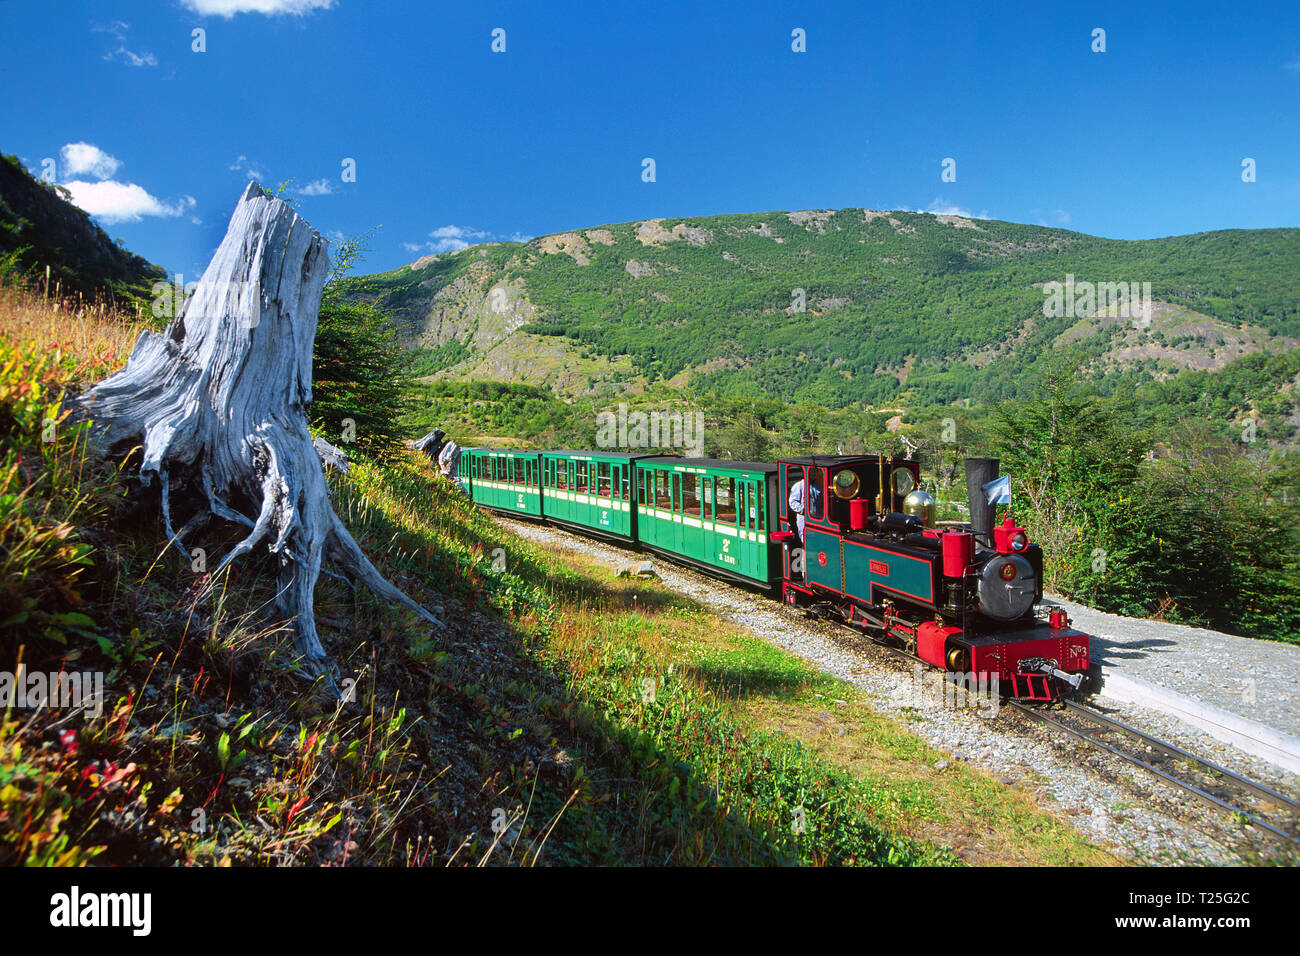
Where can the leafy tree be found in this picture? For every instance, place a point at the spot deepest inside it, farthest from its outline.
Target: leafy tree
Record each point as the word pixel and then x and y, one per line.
pixel 361 375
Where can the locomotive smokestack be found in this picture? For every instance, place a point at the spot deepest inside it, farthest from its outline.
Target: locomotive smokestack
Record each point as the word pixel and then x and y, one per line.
pixel 979 472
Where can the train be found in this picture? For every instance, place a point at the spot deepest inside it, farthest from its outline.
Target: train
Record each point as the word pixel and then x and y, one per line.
pixel 963 597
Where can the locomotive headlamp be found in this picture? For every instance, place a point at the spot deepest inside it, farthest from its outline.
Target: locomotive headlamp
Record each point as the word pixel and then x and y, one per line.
pixel 1010 538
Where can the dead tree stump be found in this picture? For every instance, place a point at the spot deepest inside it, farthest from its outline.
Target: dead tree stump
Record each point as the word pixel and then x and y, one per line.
pixel 217 402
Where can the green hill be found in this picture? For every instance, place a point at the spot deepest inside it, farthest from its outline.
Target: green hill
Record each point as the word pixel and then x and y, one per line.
pixel 896 306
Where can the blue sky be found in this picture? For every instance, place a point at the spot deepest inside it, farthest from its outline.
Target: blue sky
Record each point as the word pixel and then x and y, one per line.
pixel 455 143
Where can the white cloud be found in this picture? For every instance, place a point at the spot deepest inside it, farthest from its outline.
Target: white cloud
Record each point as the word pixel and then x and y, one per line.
pixel 1294 65
pixel 132 59
pixel 320 187
pixel 86 159
pixel 941 208
pixel 123 202
pixel 454 238
pixel 1063 217
pixel 118 30
pixel 228 8
pixel 247 167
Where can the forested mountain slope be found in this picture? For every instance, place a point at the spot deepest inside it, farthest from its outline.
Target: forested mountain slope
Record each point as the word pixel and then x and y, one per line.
pixel 816 305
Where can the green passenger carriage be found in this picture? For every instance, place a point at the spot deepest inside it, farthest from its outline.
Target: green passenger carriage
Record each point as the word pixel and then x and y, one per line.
pixel 717 515
pixel 590 490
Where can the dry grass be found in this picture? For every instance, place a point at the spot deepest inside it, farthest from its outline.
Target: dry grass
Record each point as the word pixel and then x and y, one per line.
pixel 95 337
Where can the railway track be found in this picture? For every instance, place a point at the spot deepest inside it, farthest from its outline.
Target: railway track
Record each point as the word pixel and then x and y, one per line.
pixel 1213 785
pixel 1203 779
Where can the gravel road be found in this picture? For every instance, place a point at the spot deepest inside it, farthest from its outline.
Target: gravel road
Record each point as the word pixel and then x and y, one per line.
pixel 1114 804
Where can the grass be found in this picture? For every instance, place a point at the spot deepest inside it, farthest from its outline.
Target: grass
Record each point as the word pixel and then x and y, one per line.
pixel 780 697
pixel 560 716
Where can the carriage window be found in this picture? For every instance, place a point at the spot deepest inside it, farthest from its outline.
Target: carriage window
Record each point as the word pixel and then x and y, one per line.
pixel 662 500
pixel 690 495
pixel 562 476
pixel 757 509
pixel 724 505
pixel 623 481
pixel 602 479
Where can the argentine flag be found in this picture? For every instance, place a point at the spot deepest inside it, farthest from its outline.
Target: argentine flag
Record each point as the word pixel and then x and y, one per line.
pixel 998 491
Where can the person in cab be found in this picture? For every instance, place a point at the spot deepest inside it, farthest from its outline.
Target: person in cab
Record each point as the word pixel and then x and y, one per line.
pixel 806 496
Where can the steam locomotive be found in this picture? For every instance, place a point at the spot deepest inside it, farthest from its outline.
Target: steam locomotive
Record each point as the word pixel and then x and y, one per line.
pixel 961 597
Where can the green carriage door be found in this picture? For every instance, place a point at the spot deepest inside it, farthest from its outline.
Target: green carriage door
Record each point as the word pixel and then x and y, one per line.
pixel 674 539
pixel 692 532
pixel 570 486
pixel 621 511
pixel 587 477
pixel 750 514
pixel 660 527
pixel 757 520
pixel 604 503
pixel 729 549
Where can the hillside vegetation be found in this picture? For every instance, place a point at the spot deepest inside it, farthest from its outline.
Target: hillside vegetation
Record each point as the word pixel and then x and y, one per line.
pixel 836 307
